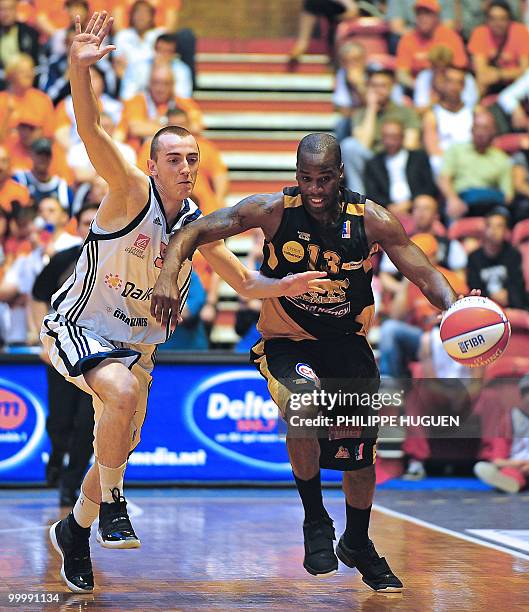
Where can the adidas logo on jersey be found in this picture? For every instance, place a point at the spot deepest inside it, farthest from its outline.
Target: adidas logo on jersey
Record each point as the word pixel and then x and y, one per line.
pixel 157 221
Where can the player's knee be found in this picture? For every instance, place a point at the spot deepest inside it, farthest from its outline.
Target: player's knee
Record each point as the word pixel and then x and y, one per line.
pixel 123 396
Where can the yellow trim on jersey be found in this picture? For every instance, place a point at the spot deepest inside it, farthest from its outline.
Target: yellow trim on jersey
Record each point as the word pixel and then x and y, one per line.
pixel 292 201
pixel 272 257
pixel 356 209
pixel 365 318
pixel 274 322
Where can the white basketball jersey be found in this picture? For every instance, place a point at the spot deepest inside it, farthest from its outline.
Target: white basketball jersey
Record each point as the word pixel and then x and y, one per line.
pixel 110 290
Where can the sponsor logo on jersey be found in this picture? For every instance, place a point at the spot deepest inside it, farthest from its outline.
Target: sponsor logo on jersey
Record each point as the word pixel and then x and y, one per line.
pixel 130 321
pixel 353 265
pixel 157 221
pixel 113 281
pixel 293 251
pixel 139 246
pixel 334 293
pixel 346 229
pixel 303 236
pixel 304 369
pixel 340 310
pixel 158 262
pixel 342 453
pixel 132 291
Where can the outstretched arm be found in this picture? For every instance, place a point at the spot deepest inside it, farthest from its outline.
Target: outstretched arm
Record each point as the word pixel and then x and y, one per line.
pixel 382 227
pixel 122 177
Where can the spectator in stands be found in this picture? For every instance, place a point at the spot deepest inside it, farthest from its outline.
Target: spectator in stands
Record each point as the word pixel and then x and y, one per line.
pixel 40 181
pixel 450 120
pixel 395 176
pixel 19 142
pixel 469 14
pixel 411 315
pixel 499 49
pixel 450 253
pixel 413 48
pixel 79 161
pixel 476 176
pixel 12 194
pixel 366 138
pixel 54 79
pixel 65 124
pixel 332 10
pixel 146 112
pixel 70 421
pixel 510 110
pixel 136 77
pixel 15 38
pixel 430 82
pixel 507 468
pixel 136 43
pixel 496 267
pixel 58 43
pixel 520 179
pixel 22 99
pixel 54 218
pixel 401 17
pixel 90 192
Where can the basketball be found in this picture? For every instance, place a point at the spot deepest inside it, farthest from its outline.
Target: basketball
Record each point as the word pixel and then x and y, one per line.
pixel 475 331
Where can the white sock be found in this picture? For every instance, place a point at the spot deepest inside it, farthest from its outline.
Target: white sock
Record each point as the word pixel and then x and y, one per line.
pixel 111 478
pixel 85 511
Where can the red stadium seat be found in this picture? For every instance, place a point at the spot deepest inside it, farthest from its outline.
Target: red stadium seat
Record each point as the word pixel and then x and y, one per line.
pixel 439 229
pixel 524 250
pixel 488 100
pixel 470 227
pixel 510 143
pixel 520 232
pixel 507 366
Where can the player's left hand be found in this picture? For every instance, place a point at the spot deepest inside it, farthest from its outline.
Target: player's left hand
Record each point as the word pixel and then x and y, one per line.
pixel 298 284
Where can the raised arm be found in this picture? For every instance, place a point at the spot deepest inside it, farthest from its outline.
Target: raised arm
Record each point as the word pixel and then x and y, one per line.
pixel 382 227
pixel 123 179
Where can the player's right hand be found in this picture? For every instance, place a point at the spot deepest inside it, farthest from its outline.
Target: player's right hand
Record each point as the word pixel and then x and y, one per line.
pixel 86 46
pixel 165 301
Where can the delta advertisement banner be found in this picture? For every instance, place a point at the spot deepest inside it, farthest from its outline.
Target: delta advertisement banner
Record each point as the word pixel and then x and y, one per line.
pixel 211 423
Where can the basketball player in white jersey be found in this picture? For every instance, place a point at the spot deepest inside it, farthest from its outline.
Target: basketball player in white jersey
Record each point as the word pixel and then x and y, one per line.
pixel 100 334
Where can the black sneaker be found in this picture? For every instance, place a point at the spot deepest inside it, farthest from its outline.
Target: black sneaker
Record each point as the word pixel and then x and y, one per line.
pixel 375 570
pixel 115 529
pixel 72 543
pixel 320 559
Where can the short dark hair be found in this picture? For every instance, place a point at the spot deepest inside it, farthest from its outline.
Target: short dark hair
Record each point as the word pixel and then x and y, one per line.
pixel 136 6
pixel 86 206
pixel 318 143
pixel 167 38
pixel 499 4
pixel 500 211
pixel 168 129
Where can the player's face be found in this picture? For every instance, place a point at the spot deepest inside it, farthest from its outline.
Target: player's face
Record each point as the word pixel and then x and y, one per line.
pixel 495 229
pixel 176 165
pixel 319 183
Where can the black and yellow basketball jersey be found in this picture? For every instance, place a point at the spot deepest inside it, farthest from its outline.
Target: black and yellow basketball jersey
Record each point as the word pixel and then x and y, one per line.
pixel 341 250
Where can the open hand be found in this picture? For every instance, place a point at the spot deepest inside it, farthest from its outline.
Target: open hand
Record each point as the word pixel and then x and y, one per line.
pixel 86 47
pixel 165 301
pixel 298 284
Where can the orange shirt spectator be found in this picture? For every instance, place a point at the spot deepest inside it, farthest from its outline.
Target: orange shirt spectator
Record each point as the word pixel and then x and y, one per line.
pixel 165 16
pixel 10 190
pixel 482 42
pixel 32 102
pixel 413 49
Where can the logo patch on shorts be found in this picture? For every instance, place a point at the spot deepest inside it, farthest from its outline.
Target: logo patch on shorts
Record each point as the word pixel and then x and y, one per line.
pixel 342 453
pixel 303 369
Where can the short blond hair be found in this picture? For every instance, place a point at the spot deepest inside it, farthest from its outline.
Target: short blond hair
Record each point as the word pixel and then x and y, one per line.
pixel 440 55
pixel 14 63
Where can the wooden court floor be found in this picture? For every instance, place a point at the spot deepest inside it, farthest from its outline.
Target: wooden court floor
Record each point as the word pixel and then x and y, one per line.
pixel 236 550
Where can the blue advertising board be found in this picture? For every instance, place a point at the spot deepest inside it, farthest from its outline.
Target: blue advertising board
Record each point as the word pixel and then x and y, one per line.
pixel 205 423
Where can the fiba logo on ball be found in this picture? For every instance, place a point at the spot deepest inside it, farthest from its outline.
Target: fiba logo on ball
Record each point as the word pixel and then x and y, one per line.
pixel 475 331
pixel 21 424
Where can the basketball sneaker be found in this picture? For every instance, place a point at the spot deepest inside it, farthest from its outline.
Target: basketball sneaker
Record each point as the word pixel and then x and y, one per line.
pixel 375 570
pixel 492 475
pixel 320 559
pixel 72 542
pixel 115 529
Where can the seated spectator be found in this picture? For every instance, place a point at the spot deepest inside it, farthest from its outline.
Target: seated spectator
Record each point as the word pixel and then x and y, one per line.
pixel 510 110
pixel 395 176
pixel 499 49
pixel 40 181
pixel 411 315
pixel 520 179
pixel 475 177
pixel 64 118
pixel 21 99
pixel 89 192
pixel 136 43
pixel 366 138
pixel 400 15
pixel 54 79
pixel 19 142
pixel 12 194
pixel 165 15
pixel 53 220
pixel 136 77
pixel 79 161
pixel 450 253
pixel 57 43
pixel 450 120
pixel 15 38
pixel 413 48
pixel 469 14
pixel 430 82
pixel 496 267
pixel 146 112
pixel 507 468
pixel 190 335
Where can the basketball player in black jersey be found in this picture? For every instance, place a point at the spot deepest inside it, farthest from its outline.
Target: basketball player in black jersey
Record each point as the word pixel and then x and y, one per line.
pixel 318 342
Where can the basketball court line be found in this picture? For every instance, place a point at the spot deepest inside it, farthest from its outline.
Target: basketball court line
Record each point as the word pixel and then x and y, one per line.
pixel 445 531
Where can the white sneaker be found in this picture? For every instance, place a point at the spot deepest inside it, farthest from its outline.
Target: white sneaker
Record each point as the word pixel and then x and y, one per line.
pixel 415 471
pixel 491 475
